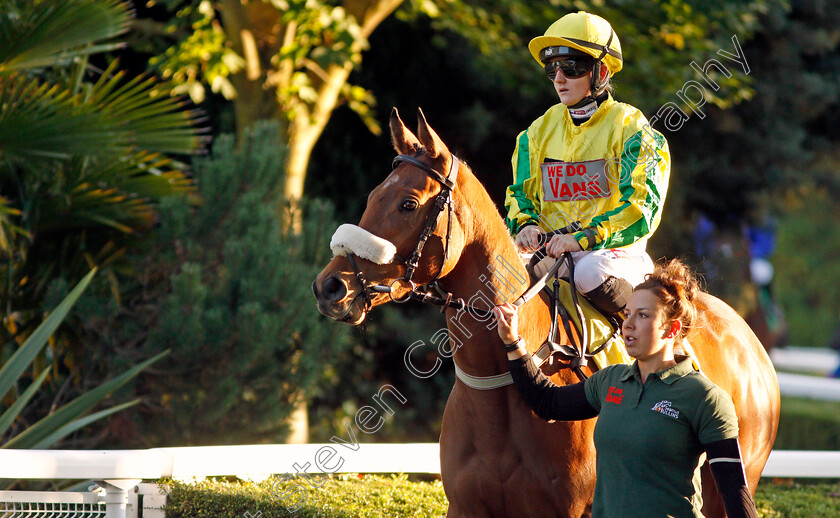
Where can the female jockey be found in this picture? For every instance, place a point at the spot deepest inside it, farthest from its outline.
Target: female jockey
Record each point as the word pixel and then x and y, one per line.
pixel 590 164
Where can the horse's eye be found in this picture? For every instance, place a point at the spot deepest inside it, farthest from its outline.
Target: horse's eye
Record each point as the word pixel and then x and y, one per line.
pixel 408 205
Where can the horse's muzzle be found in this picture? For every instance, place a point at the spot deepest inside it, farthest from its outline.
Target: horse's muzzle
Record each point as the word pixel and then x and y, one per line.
pixel 335 301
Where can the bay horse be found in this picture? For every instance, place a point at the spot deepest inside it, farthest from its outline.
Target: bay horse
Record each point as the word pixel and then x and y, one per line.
pixel 498 459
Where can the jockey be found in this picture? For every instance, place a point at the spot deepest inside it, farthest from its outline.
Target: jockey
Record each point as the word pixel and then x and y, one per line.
pixel 590 164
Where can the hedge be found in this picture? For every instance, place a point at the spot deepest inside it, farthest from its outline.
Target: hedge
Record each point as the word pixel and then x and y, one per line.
pixel 395 496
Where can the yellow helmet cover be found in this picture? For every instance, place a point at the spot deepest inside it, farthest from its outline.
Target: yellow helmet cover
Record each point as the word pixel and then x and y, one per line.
pixel 585 32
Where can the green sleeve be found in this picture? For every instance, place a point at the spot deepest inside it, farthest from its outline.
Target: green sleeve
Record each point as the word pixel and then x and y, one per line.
pixel 521 208
pixel 716 419
pixel 644 167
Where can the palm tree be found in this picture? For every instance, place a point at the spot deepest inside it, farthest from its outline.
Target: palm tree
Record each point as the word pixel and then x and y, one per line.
pixel 82 162
pixel 85 155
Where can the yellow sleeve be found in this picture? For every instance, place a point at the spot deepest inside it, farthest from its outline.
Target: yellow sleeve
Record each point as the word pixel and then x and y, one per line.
pixel 645 166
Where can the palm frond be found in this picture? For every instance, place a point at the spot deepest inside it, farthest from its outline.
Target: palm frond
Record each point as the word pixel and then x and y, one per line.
pixel 119 193
pixel 77 424
pixel 36 34
pixel 156 120
pixel 44 121
pixel 33 345
pixel 8 417
pixel 8 230
pixel 35 435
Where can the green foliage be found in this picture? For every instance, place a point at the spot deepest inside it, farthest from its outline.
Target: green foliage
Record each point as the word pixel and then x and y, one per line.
pixel 797 500
pixel 375 496
pixel 227 289
pixel 732 162
pixel 299 40
pixel 202 57
pixel 67 419
pixel 342 496
pixel 81 163
pixel 806 266
pixel 806 424
pixel 45 33
pixel 659 39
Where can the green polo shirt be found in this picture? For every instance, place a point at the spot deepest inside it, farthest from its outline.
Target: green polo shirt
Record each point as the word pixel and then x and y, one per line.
pixel 649 438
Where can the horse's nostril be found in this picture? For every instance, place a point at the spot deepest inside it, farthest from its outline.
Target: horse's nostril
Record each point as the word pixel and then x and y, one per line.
pixel 333 289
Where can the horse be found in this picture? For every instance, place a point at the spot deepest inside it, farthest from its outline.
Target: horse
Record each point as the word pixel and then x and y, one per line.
pixel 497 458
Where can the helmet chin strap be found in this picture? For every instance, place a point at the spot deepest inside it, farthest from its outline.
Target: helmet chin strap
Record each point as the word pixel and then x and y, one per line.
pixel 584 108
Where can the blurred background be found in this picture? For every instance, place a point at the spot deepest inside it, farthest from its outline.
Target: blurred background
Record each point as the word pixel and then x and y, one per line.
pixel 200 154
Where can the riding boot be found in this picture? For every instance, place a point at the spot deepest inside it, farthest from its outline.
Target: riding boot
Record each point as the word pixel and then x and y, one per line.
pixel 611 296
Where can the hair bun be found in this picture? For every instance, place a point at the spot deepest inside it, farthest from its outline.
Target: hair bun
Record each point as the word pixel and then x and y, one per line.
pixel 676 288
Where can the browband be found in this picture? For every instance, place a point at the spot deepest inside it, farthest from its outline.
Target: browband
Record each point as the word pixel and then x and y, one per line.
pixel 449 183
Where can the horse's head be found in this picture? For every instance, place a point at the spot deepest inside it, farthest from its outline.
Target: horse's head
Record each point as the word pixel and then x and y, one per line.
pixel 388 253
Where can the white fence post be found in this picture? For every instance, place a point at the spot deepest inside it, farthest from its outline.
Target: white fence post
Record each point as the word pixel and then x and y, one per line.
pixel 116 496
pixel 153 498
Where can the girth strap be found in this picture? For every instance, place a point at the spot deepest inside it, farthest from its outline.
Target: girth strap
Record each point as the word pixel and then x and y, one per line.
pixel 482 382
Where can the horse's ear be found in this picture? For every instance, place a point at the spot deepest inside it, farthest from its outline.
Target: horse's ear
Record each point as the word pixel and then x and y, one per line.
pixel 428 138
pixel 404 140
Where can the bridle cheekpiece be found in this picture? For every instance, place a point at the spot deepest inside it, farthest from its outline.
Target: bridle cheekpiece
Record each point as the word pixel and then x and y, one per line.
pixel 351 241
pixel 442 201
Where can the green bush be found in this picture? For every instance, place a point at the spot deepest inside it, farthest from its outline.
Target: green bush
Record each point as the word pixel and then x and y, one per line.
pixel 348 496
pixel 800 500
pixel 344 496
pixel 806 424
pixel 806 268
pixel 225 285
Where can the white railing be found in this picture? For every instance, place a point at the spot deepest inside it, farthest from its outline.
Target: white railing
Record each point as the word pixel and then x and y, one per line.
pixel 108 501
pixel 818 360
pixel 809 387
pixel 119 472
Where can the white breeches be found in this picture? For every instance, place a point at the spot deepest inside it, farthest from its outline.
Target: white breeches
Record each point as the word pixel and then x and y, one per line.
pixel 593 267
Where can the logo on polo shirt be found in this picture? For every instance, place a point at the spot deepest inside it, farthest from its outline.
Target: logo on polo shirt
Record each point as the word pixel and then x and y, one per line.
pixel 614 395
pixel 664 407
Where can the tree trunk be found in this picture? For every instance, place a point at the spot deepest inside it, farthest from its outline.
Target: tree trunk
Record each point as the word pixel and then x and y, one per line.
pixel 248 28
pixel 307 126
pixel 256 33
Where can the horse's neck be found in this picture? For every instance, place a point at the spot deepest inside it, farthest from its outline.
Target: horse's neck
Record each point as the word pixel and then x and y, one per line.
pixel 489 272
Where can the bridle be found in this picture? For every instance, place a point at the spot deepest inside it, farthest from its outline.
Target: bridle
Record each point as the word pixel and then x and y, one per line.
pixel 442 201
pixel 430 292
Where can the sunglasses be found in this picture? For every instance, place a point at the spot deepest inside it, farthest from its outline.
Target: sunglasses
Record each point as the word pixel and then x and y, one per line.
pixel 572 68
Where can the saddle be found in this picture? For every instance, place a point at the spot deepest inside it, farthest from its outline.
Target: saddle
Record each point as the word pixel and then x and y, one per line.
pixel 598 335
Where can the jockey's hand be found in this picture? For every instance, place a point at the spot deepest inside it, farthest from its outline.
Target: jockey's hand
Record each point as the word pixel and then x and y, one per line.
pixel 560 243
pixel 529 239
pixel 508 319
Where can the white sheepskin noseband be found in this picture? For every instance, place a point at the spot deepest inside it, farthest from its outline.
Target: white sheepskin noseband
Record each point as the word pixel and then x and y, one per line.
pixel 350 239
